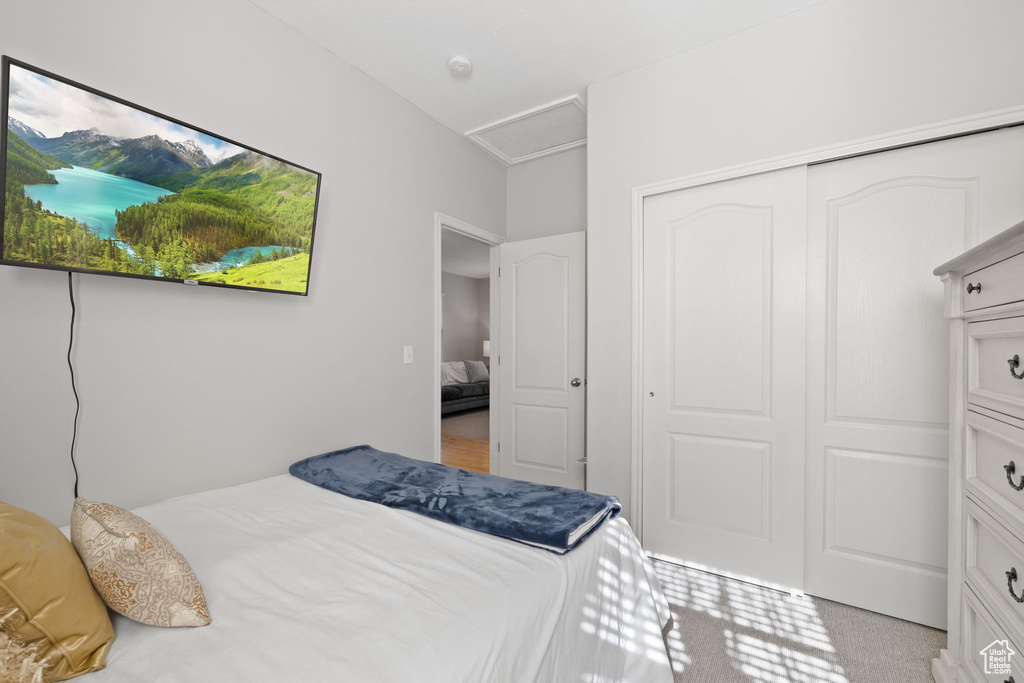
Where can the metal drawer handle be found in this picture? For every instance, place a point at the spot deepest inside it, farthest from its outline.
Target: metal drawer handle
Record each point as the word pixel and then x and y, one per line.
pixel 1014 364
pixel 971 289
pixel 1009 680
pixel 1010 470
pixel 1011 576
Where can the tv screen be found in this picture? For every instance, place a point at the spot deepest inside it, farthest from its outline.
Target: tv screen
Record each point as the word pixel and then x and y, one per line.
pixel 95 184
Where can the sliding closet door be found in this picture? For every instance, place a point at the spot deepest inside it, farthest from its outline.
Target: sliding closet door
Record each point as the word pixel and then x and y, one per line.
pixel 878 392
pixel 723 357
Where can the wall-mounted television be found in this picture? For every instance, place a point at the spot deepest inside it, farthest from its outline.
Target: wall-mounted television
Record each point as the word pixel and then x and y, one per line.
pixel 95 184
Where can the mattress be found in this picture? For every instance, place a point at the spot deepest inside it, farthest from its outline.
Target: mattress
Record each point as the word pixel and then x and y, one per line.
pixel 308 585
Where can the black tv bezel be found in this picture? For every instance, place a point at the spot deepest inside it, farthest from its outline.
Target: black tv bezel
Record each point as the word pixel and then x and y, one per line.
pixel 5 66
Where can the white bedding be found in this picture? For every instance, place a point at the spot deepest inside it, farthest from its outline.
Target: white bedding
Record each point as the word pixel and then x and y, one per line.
pixel 308 585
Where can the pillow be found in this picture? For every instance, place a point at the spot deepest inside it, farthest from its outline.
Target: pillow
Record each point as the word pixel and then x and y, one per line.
pixel 454 372
pixel 46 600
pixel 477 371
pixel 18 662
pixel 135 569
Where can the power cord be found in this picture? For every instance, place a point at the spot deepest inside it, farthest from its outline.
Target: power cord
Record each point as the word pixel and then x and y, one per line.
pixel 78 403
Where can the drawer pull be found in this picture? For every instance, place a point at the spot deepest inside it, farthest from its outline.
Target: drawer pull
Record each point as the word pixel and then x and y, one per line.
pixel 1010 470
pixel 1009 680
pixel 971 289
pixel 1011 576
pixel 1014 364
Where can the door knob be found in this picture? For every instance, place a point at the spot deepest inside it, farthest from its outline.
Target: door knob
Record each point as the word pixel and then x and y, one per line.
pixel 576 381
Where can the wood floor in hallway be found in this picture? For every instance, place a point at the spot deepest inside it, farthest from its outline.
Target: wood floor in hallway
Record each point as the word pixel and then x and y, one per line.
pixel 466 454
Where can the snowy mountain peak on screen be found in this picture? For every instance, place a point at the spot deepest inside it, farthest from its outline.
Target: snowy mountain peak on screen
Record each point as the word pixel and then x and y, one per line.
pixel 192 152
pixel 26 132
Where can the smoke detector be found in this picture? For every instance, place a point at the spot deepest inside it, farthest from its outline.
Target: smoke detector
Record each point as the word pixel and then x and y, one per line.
pixel 460 66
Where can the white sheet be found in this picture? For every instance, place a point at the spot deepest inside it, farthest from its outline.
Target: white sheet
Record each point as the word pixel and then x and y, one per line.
pixel 308 585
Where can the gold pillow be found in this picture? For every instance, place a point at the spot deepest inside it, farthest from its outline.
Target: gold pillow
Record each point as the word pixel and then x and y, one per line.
pixel 135 569
pixel 46 598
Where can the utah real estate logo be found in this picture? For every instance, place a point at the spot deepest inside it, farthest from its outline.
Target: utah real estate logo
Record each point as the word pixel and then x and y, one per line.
pixel 997 657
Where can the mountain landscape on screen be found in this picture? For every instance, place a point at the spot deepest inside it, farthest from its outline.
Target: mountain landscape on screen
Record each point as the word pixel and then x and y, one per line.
pixel 137 159
pixel 135 193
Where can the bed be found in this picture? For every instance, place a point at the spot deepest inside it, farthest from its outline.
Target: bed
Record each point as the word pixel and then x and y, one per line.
pixel 308 585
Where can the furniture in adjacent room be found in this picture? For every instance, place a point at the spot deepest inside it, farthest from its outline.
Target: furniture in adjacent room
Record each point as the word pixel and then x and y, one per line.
pixel 984 300
pixel 465 391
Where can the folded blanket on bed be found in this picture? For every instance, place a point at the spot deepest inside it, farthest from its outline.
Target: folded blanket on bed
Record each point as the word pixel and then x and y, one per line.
pixel 550 517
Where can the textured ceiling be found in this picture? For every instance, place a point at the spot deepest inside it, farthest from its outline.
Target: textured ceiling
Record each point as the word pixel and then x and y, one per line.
pixel 525 53
pixel 464 256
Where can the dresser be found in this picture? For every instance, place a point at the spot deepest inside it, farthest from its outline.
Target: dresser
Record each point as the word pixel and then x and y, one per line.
pixel 984 302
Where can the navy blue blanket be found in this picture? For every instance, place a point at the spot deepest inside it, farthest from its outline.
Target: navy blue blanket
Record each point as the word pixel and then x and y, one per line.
pixel 550 517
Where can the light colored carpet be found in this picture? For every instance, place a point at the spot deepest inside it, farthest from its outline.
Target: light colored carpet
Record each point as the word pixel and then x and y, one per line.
pixel 727 631
pixel 471 424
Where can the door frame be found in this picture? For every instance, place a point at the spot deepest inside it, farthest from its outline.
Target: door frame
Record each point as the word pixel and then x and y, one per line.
pixel 968 125
pixel 444 222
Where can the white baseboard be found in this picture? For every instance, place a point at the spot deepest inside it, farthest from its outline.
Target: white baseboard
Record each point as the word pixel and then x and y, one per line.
pixel 943 668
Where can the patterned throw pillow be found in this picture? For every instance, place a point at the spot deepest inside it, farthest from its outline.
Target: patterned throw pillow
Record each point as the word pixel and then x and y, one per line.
pixel 135 569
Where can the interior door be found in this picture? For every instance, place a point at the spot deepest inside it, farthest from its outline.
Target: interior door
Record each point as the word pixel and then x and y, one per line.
pixel 723 368
pixel 542 284
pixel 878 361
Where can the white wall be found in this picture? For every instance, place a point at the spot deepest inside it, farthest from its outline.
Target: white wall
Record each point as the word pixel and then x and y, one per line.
pixel 460 334
pixel 835 72
pixel 548 196
pixel 187 388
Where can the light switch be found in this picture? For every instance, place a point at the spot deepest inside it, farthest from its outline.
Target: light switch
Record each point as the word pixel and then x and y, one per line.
pixel 408 355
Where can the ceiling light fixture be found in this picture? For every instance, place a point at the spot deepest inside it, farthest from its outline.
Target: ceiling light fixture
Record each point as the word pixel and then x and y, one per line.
pixel 460 66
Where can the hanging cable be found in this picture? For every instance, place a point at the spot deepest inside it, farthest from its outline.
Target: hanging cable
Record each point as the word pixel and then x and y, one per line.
pixel 78 403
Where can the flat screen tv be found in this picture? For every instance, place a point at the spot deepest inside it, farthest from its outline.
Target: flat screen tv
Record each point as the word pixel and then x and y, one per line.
pixel 95 184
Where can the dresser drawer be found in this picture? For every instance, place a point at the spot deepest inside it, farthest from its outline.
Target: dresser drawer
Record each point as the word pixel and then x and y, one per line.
pixel 990 552
pixel 982 633
pixel 1001 283
pixel 991 445
pixel 992 379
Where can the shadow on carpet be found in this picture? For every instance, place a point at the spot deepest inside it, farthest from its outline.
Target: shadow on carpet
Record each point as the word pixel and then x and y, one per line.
pixel 727 631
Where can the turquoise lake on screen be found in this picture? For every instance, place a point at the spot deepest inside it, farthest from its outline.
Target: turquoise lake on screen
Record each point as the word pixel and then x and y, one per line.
pixel 92 197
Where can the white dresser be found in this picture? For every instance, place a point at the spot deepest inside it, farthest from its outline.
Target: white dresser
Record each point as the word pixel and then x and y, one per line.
pixel 984 300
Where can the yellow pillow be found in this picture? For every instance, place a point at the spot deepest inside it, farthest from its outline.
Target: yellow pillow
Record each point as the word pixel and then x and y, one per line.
pixel 135 569
pixel 47 597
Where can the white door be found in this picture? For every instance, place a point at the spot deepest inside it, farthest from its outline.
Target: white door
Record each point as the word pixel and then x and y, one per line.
pixel 723 368
pixel 542 285
pixel 878 361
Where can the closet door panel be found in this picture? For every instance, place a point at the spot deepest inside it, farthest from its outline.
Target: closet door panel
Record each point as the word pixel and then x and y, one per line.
pixel 877 396
pixel 724 376
pixel 884 315
pixel 720 269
